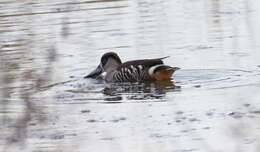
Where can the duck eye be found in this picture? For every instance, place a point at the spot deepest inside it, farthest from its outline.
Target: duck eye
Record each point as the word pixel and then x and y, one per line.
pixel 103 61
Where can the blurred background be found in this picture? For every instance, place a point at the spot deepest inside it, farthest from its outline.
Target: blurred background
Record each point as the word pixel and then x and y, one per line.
pixel 48 46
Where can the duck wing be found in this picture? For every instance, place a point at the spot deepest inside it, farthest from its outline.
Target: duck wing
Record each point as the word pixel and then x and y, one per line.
pixel 135 71
pixel 147 63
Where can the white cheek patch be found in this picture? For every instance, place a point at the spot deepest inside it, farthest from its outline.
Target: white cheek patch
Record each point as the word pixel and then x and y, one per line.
pixel 151 69
pixel 103 75
pixel 110 64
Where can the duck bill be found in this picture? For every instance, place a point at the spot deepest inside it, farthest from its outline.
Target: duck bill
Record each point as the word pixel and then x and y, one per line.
pixel 95 73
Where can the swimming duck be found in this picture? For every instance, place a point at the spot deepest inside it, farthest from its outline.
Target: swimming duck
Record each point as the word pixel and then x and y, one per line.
pixel 111 69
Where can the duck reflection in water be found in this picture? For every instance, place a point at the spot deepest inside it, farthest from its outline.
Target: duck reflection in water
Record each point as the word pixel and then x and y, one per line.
pixel 140 91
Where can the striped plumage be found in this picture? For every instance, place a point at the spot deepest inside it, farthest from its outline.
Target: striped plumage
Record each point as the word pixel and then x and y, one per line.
pixel 113 70
pixel 135 71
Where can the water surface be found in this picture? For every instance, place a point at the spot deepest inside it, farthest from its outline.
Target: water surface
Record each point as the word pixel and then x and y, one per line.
pixel 47 47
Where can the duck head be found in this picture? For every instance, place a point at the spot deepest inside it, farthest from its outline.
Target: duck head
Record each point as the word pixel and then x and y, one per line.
pixel 109 62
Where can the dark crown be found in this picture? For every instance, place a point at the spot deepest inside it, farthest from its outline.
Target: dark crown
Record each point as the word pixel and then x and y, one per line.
pixel 110 55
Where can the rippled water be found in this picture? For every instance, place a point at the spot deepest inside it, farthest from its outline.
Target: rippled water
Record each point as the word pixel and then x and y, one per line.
pixel 47 47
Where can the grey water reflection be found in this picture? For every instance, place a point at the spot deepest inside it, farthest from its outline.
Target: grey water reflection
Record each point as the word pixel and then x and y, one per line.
pixel 47 47
pixel 142 92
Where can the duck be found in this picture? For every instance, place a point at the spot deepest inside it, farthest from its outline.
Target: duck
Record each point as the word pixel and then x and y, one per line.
pixel 111 69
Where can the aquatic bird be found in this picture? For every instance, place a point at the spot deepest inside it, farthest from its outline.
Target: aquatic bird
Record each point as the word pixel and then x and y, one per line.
pixel 111 69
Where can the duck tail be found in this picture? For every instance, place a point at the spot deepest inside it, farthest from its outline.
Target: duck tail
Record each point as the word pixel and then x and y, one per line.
pixel 162 58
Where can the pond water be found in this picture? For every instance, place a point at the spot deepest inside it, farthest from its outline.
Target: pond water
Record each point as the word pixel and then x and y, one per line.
pixel 48 46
